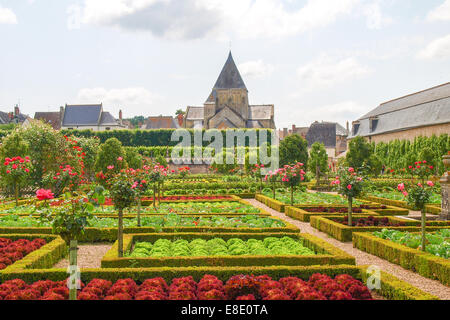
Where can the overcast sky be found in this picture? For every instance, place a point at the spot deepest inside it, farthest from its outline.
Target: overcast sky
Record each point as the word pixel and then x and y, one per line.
pixel 314 59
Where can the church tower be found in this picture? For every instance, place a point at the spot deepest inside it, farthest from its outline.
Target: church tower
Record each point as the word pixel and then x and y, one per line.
pixel 227 105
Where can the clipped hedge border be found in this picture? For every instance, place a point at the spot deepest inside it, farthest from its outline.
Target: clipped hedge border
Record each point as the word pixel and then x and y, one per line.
pixel 232 198
pixel 45 257
pixel 110 234
pixel 430 208
pixel 305 216
pixel 423 263
pixel 271 203
pixel 391 287
pixel 344 233
pixel 327 253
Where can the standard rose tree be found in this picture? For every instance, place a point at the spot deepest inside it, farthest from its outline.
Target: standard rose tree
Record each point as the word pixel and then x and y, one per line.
pixel 418 195
pixel 123 196
pixel 349 184
pixel 292 176
pixel 17 171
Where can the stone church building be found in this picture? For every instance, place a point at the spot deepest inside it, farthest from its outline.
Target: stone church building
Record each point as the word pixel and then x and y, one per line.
pixel 227 106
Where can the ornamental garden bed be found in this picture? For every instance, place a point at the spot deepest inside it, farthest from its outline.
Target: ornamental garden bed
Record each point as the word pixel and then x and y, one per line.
pixel 430 208
pixel 305 213
pixel 182 208
pixel 287 250
pixel 307 199
pixel 390 287
pixel 424 263
pixel 334 226
pixel 23 251
pixel 105 229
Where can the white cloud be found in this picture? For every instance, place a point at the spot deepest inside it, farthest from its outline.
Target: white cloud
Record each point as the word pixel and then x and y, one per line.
pixel 257 69
pixel 192 19
pixel 437 49
pixel 133 101
pixel 7 16
pixel 327 71
pixel 375 17
pixel 440 13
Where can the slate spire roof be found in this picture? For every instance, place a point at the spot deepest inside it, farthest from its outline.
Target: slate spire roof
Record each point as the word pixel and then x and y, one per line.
pixel 229 77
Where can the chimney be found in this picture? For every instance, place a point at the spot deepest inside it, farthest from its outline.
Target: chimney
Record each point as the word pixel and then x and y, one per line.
pixel 285 132
pixel 348 129
pixel 293 128
pixel 16 110
pixel 180 119
pixel 120 117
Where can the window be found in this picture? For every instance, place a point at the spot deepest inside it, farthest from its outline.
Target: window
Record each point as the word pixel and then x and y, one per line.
pixel 108 128
pixel 373 122
pixel 355 128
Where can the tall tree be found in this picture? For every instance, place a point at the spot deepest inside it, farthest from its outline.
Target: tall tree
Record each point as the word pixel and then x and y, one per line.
pixel 293 149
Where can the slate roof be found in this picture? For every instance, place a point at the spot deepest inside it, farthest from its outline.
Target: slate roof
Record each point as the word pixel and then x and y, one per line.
pixel 4 118
pixel 260 112
pixel 107 119
pixel 323 132
pixel 52 118
pixel 229 77
pixel 160 122
pixel 195 113
pixel 254 124
pixel 82 115
pixel 424 108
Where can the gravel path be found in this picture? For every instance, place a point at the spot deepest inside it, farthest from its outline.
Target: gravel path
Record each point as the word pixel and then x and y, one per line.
pixel 89 256
pixel 362 258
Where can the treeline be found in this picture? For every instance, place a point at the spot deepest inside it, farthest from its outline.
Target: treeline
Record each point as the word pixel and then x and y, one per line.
pixel 151 138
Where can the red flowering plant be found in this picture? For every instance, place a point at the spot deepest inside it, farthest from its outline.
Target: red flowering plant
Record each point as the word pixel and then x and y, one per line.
pixel 256 172
pixel 123 195
pixel 156 177
pixel 17 172
pixel 349 184
pixel 273 178
pixel 291 176
pixel 63 180
pixel 184 171
pixel 418 194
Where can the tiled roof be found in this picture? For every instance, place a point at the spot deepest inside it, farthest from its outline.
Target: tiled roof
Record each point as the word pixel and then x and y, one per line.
pixel 161 122
pixel 52 118
pixel 107 119
pixel 229 77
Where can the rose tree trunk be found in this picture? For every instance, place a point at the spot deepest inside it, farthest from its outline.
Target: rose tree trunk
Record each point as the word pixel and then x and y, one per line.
pixel 350 211
pixel 120 234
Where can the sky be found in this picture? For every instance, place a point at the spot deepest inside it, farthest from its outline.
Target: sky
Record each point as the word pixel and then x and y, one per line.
pixel 315 60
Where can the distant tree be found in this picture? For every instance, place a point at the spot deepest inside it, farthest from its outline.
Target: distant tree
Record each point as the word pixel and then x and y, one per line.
pixel 136 121
pixel 359 152
pixel 293 149
pixel 111 156
pixel 179 111
pixel 318 160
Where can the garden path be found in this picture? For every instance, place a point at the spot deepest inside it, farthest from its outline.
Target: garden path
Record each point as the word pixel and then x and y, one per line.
pixel 362 258
pixel 89 256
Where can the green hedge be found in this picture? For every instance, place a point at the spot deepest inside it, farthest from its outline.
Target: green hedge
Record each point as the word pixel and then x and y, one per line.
pixel 305 216
pixel 344 233
pixel 148 138
pixel 424 263
pixel 327 253
pixel 391 287
pixel 45 257
pixel 271 203
pixel 431 208
pixel 110 234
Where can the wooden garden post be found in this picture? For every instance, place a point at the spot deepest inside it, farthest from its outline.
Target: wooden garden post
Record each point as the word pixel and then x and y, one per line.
pixel 120 234
pixel 73 248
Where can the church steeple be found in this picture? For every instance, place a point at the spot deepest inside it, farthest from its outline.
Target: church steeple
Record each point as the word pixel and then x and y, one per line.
pixel 229 77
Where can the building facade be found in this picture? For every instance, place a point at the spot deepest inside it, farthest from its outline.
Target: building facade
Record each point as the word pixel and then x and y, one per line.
pixel 422 113
pixel 227 105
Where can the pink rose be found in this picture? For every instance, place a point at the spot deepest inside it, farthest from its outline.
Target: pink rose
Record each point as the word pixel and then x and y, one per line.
pixel 349 187
pixel 119 159
pixel 430 183
pixel 405 193
pixel 401 187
